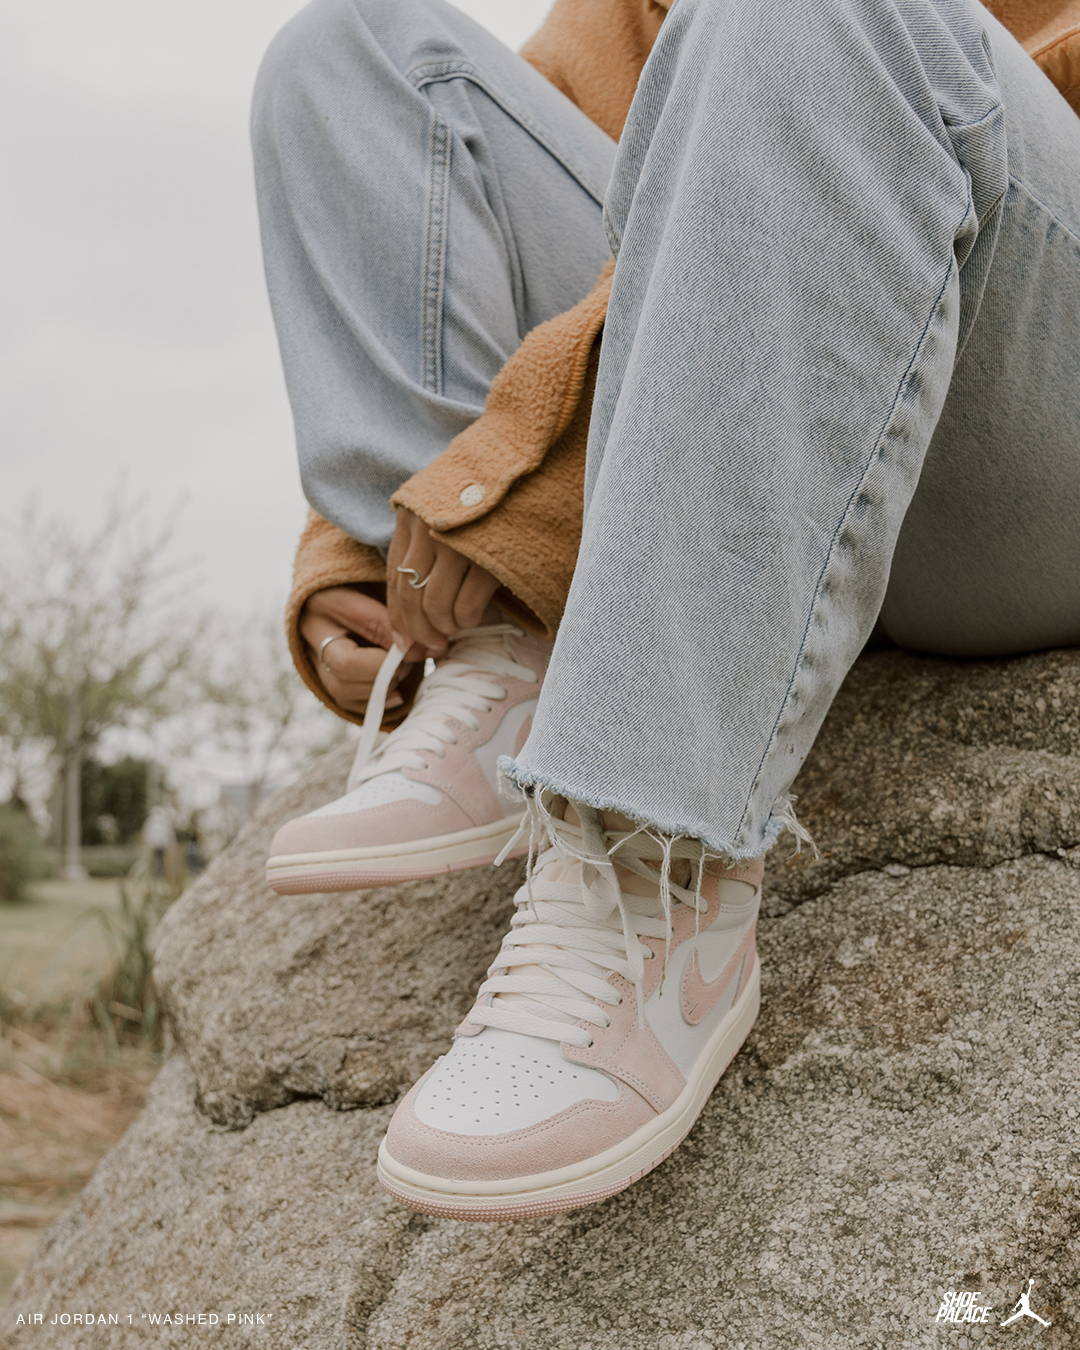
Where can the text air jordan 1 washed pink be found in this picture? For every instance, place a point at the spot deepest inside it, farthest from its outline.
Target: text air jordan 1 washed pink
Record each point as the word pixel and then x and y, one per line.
pixel 620 995
pixel 425 800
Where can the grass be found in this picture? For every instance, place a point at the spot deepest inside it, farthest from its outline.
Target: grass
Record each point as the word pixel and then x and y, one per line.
pixel 54 945
pixel 66 1096
pixel 79 1043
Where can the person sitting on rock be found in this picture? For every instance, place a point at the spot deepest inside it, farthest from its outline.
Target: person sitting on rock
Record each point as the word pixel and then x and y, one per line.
pixel 836 389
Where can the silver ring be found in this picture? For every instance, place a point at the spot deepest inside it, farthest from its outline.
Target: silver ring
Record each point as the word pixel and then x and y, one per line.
pixel 323 646
pixel 417 583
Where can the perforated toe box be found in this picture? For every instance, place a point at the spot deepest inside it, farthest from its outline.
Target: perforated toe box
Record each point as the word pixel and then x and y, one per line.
pixel 497 1082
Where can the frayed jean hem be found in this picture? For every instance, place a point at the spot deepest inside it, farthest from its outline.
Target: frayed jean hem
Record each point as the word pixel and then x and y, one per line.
pixel 781 820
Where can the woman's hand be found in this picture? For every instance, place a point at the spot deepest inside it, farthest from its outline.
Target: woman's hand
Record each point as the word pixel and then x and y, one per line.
pixel 456 595
pixel 347 667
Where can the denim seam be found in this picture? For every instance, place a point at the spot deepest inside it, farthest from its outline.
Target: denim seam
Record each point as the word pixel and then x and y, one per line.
pixel 964 338
pixel 874 457
pixel 614 237
pixel 439 71
pixel 991 210
pixel 1038 201
pixel 435 257
pixel 997 111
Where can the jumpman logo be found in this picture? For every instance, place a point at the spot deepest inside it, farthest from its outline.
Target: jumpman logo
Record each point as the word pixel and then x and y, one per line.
pixel 1022 1308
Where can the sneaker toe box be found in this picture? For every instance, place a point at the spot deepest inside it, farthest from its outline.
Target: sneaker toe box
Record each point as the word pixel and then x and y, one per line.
pixel 554 1128
pixel 393 823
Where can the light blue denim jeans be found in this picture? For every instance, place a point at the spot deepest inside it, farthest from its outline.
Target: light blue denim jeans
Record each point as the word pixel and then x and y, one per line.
pixel 425 198
pixel 839 379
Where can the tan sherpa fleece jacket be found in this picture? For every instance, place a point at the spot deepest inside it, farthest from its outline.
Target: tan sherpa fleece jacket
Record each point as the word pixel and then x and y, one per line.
pixel 507 492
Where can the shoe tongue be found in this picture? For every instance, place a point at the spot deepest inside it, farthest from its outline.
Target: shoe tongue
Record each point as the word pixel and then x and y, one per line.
pixel 615 822
pixel 472 651
pixel 563 870
pixel 568 869
pixel 512 1000
pixel 425 709
pixel 466 664
pixel 558 870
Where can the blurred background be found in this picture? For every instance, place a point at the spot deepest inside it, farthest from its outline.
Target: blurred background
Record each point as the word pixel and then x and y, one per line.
pixel 148 515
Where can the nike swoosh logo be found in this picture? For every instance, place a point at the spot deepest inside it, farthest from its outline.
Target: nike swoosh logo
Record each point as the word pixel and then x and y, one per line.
pixel 698 996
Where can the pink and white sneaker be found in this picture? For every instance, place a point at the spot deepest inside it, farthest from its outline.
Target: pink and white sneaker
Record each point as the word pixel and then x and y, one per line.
pixel 425 800
pixel 585 1059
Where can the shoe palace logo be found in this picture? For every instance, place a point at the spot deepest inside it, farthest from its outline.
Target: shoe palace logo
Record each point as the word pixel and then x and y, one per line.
pixel 965 1305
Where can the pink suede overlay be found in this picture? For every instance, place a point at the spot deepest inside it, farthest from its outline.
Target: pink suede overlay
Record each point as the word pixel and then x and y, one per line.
pixel 468 800
pixel 394 823
pixel 624 1047
pixel 629 1051
pixel 459 776
pixel 699 996
pixel 685 924
pixel 751 871
pixel 579 1132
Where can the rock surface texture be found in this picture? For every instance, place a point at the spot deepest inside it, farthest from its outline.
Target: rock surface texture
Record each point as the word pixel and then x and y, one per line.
pixel 899 1124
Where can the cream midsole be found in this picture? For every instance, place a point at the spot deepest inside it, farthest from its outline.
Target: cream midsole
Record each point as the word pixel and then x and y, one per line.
pixel 438 850
pixel 622 1160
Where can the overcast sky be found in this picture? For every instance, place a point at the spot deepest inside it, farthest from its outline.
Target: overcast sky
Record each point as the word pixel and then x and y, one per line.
pixel 136 334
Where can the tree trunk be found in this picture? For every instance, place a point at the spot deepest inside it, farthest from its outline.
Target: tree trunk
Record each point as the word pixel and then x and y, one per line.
pixel 73 868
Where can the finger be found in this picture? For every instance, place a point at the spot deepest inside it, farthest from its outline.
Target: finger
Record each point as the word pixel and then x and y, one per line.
pixel 473 597
pixel 355 696
pixel 348 693
pixel 347 661
pixel 351 698
pixel 410 533
pixel 351 610
pixel 350 664
pixel 352 694
pixel 399 542
pixel 439 594
pixel 413 622
pixel 399 546
pixel 395 560
pixel 348 700
pixel 314 627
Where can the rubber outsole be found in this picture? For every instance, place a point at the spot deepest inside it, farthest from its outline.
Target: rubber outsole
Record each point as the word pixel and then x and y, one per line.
pixel 387 865
pixel 599 1178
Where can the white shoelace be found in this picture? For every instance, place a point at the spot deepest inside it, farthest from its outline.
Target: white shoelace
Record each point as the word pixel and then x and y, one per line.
pixel 464 683
pixel 578 920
